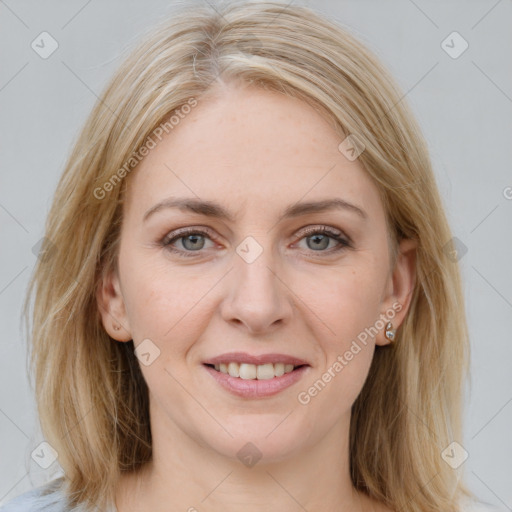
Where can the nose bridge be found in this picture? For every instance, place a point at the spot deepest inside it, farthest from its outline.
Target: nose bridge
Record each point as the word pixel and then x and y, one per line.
pixel 257 298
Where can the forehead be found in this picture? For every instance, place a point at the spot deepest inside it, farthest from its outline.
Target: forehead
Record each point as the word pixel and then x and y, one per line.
pixel 248 146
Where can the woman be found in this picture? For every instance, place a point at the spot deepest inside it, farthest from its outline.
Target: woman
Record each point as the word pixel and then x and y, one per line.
pixel 247 296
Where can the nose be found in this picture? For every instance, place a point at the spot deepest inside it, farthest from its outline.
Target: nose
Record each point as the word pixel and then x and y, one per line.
pixel 257 296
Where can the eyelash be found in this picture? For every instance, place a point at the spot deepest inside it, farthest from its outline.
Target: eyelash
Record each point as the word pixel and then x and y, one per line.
pixel 343 243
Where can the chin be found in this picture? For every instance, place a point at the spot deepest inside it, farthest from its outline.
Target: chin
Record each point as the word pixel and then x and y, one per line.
pixel 260 440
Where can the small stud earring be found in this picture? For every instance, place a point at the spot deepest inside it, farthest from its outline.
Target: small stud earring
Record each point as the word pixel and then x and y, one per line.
pixel 117 327
pixel 390 333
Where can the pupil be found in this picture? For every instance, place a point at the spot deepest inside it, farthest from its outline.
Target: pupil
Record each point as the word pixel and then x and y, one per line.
pixel 193 239
pixel 319 239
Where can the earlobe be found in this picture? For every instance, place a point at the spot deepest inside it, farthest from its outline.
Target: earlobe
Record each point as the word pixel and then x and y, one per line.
pixel 401 287
pixel 112 308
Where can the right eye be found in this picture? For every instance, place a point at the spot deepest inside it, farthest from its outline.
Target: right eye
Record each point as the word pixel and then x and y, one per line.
pixel 192 241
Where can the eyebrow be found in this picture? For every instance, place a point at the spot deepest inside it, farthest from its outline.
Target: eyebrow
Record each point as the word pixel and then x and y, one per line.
pixel 213 209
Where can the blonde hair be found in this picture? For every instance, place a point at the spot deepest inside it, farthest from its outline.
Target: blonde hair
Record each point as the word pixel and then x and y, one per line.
pixel 92 398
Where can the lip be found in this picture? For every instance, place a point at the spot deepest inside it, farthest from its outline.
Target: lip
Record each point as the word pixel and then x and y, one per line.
pixel 248 388
pixel 243 357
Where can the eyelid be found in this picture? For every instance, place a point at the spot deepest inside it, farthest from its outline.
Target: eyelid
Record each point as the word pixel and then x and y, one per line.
pixel 327 230
pixel 180 232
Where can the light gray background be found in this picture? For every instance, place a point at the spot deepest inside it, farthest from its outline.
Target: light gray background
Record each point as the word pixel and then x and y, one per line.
pixel 464 106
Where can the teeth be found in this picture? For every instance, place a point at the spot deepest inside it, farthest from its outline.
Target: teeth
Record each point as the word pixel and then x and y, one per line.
pixel 247 371
pixel 234 369
pixel 279 369
pixel 252 371
pixel 265 371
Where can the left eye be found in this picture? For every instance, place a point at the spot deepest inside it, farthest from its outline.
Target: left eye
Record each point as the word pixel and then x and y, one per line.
pixel 319 241
pixel 318 238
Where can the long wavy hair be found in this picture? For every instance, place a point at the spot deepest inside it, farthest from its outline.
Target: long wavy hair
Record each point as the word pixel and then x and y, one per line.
pixel 92 398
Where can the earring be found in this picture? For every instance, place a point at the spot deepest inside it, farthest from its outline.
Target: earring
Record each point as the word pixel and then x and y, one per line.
pixel 117 327
pixel 390 333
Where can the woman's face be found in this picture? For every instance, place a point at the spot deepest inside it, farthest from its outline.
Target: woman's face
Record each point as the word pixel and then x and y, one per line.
pixel 254 275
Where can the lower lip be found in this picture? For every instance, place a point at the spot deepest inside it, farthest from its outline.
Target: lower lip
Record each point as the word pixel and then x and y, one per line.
pixel 254 388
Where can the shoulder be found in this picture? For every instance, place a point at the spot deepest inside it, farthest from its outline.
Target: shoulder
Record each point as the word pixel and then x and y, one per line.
pixel 48 498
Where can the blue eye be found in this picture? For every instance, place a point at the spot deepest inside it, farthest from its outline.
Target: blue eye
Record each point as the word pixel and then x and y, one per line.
pixel 193 240
pixel 320 238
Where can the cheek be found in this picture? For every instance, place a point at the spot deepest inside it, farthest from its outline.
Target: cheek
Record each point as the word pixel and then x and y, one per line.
pixel 346 301
pixel 358 297
pixel 349 307
pixel 162 304
pixel 170 309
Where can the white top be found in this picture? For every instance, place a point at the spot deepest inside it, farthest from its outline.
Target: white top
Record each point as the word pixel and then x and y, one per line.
pixel 50 498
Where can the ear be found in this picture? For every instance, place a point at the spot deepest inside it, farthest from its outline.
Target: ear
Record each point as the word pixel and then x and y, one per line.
pixel 112 307
pixel 399 288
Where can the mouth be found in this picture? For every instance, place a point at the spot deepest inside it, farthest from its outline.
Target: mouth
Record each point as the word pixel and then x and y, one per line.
pixel 248 371
pixel 255 381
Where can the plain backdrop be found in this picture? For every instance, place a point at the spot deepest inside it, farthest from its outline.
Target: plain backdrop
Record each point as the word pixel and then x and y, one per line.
pixel 462 99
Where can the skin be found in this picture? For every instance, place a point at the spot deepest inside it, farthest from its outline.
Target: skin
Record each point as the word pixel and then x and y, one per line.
pixel 255 152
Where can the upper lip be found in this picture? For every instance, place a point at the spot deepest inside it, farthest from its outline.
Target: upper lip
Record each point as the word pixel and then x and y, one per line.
pixel 243 357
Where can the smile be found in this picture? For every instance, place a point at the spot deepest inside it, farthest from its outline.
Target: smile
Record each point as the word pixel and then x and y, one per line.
pixel 249 384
